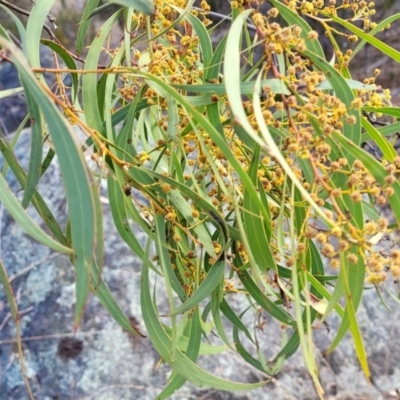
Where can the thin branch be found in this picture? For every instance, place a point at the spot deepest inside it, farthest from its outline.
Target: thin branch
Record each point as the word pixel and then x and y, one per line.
pixel 223 17
pixel 48 30
pixel 33 265
pixel 60 335
pixel 27 13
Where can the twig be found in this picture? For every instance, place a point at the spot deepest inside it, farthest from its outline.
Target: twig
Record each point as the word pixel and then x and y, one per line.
pixel 27 13
pixel 373 121
pixel 223 17
pixel 8 366
pixel 110 387
pixel 5 320
pixel 48 30
pixel 4 57
pixel 57 336
pixel 32 265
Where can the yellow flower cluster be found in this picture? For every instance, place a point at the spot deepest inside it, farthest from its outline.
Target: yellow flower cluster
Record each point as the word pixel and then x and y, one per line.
pixel 361 9
pixel 304 123
pixel 307 133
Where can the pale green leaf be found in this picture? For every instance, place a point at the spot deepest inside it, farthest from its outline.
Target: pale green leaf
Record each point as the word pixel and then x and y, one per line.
pixel 13 206
pixel 144 6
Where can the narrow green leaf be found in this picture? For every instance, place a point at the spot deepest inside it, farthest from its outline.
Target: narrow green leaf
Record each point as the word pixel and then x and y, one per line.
pixel 374 31
pixel 384 145
pixel 269 306
pixel 98 286
pixel 204 38
pixel 108 84
pixel 370 211
pixel 13 206
pixel 9 291
pixel 343 92
pixel 170 278
pixel 124 138
pixel 9 148
pixel 352 284
pixel 325 294
pixel 266 142
pixel 35 157
pixel 68 60
pixel 121 220
pixel 376 170
pixel 37 201
pixel 383 47
pixel 214 134
pixel 162 342
pixel 192 352
pixel 314 264
pixel 47 161
pixel 173 120
pixel 351 307
pixel 84 24
pixel 393 111
pixel 98 259
pixel 200 198
pixel 254 223
pixel 215 311
pixel 89 81
pixel 205 348
pixel 121 114
pixel 18 24
pixel 211 281
pixel 212 72
pixel 108 301
pixel 290 347
pixel 277 86
pixel 34 27
pixel 236 321
pixel 186 210
pixel 387 130
pixel 340 181
pixel 354 85
pixel 334 299
pixel 245 354
pixel 99 10
pixel 304 326
pixel 75 177
pixel 144 6
pixel 10 92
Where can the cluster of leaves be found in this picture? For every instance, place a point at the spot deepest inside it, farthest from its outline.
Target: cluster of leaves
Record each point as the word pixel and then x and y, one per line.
pixel 242 164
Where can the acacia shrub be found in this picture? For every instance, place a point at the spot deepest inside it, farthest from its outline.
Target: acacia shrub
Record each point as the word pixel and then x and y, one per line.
pixel 246 174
